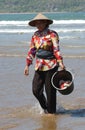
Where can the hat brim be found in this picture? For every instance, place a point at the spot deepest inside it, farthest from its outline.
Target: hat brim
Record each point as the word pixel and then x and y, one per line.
pixel 33 22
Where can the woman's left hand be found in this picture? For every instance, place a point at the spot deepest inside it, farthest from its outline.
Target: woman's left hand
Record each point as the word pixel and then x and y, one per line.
pixel 61 65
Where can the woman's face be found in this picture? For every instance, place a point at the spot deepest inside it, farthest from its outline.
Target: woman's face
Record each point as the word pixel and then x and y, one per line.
pixel 41 25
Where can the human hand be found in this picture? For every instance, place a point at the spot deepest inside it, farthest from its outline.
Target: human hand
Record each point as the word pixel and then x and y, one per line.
pixel 26 70
pixel 62 65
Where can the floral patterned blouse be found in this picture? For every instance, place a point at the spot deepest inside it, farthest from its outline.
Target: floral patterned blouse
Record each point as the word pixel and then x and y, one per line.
pixel 48 40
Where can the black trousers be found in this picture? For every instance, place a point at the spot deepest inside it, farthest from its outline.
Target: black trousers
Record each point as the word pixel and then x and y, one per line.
pixel 41 79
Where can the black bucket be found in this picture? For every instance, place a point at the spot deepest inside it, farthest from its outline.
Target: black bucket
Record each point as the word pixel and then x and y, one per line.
pixel 67 78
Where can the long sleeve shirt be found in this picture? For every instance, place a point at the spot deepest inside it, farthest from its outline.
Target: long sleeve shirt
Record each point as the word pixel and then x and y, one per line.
pixel 48 40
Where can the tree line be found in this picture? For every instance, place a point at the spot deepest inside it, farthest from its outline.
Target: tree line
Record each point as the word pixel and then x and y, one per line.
pixel 16 6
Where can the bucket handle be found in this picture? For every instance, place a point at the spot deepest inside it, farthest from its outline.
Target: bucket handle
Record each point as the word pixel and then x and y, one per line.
pixel 54 75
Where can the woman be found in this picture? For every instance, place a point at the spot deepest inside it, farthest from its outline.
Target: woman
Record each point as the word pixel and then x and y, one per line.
pixel 45 48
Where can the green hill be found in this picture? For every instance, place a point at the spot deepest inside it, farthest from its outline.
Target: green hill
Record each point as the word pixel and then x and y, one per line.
pixel 25 6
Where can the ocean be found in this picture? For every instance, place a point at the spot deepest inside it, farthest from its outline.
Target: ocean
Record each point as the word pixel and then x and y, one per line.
pixel 18 107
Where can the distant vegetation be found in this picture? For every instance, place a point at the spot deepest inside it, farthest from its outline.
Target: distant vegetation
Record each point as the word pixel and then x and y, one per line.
pixel 25 6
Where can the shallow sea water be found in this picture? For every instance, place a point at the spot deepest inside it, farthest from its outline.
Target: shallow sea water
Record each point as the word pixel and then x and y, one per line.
pixel 20 110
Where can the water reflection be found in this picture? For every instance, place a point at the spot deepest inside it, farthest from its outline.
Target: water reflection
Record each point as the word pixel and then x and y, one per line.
pixel 48 122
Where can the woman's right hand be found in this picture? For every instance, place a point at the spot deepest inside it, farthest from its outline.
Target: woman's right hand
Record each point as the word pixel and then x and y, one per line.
pixel 26 70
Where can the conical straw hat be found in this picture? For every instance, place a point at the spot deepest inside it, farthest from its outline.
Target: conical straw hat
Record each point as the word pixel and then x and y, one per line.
pixel 40 16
